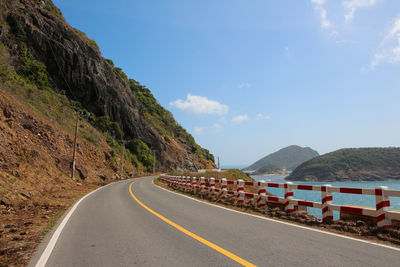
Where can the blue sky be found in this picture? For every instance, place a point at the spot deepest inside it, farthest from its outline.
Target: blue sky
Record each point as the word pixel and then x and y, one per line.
pixel 247 78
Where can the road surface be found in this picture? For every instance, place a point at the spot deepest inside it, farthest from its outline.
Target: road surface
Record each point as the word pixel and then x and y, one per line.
pixel 111 228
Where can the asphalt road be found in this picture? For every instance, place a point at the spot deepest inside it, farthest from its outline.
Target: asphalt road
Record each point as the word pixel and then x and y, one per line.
pixel 110 228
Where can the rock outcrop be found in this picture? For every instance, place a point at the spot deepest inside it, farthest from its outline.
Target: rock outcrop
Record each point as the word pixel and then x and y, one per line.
pixel 77 69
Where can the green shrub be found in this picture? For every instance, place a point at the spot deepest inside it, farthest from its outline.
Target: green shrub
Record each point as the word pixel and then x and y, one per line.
pixel 121 73
pixel 143 152
pixel 51 8
pixel 109 61
pixel 94 45
pixel 104 125
pixel 89 139
pixel 33 70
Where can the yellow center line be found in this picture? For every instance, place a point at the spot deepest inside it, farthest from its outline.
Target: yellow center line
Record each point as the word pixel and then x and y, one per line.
pixel 198 238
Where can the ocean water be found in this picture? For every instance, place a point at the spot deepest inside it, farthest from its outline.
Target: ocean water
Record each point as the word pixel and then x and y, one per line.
pixel 338 198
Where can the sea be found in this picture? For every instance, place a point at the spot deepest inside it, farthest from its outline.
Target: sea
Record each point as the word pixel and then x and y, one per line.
pixel 338 198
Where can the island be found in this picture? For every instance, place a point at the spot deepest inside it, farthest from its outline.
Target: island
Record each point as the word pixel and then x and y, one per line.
pixel 287 158
pixel 351 164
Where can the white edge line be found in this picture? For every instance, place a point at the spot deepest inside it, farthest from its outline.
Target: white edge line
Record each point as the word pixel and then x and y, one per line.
pixel 50 246
pixel 286 223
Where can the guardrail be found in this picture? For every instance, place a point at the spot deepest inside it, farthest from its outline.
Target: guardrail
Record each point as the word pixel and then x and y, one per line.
pixel 382 213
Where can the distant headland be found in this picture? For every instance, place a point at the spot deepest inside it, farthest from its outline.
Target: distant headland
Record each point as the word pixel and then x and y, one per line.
pixel 351 164
pixel 279 162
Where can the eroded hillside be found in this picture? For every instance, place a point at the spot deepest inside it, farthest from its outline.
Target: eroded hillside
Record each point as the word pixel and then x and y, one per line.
pixel 49 73
pixel 44 49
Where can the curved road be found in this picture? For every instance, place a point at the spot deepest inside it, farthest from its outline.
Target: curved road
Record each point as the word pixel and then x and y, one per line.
pixel 110 228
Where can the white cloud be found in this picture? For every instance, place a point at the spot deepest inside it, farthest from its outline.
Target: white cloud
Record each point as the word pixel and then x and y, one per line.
pixel 198 130
pixel 261 116
pixel 244 85
pixel 321 11
pixel 200 105
pixel 352 5
pixel 389 49
pixel 239 119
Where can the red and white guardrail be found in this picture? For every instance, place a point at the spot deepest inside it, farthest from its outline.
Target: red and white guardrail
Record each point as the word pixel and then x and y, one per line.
pixel 382 213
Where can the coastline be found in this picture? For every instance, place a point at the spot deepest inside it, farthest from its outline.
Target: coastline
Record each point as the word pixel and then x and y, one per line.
pixel 272 174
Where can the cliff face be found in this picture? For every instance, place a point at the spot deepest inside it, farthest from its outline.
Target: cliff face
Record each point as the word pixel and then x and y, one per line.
pixel 351 164
pixel 77 69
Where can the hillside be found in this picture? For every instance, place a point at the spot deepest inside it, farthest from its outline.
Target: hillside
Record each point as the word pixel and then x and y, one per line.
pixel 351 164
pixel 286 158
pixel 39 50
pixel 49 73
pixel 35 183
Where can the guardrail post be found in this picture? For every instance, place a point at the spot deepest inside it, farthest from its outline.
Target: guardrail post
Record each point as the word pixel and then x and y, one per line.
pixel 289 208
pixel 194 183
pixel 183 183
pixel 382 207
pixel 224 188
pixel 212 186
pixel 327 198
pixel 240 191
pixel 187 185
pixel 262 193
pixel 179 181
pixel 202 184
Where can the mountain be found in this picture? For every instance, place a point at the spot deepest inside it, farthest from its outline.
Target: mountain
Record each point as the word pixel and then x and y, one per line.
pixel 49 73
pixel 286 158
pixel 40 49
pixel 351 164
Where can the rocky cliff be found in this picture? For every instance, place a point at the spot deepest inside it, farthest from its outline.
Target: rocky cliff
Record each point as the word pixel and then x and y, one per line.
pixel 75 67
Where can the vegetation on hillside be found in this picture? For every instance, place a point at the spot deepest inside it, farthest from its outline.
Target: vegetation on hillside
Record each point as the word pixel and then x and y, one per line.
pixel 92 43
pixel 29 77
pixel 37 124
pixel 163 120
pixel 286 158
pixel 268 169
pixel 51 8
pixel 29 80
pixel 351 164
pixel 160 118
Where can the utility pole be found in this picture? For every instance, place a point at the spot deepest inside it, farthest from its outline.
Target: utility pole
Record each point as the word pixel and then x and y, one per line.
pixel 123 157
pixel 154 162
pixel 218 162
pixel 74 153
